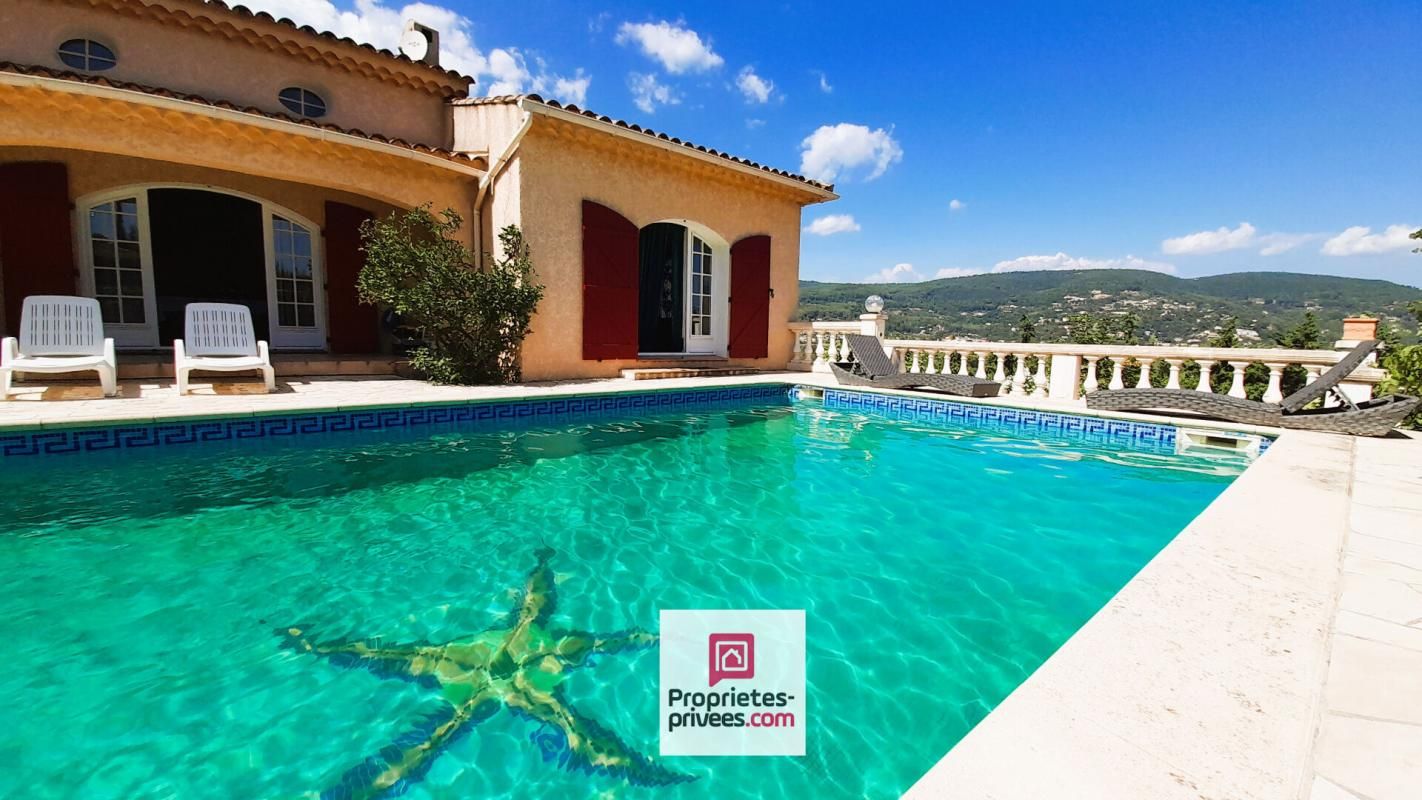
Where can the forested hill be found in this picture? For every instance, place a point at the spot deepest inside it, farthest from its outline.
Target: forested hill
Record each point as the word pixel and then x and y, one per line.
pixel 1170 309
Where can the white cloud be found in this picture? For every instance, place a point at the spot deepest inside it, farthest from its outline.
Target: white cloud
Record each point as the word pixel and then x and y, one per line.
pixel 755 88
pixel 1242 237
pixel 956 205
pixel 1360 240
pixel 956 272
pixel 678 48
pixel 1276 243
pixel 830 224
pixel 824 83
pixel 1215 241
pixel 898 273
pixel 1063 261
pixel 375 22
pixel 833 149
pixel 648 93
pixel 753 123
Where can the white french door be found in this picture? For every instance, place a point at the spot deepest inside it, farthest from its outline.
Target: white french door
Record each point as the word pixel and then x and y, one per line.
pixel 701 312
pixel 115 244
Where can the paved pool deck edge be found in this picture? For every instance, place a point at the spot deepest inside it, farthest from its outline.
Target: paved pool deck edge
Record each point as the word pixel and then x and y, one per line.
pixel 1204 676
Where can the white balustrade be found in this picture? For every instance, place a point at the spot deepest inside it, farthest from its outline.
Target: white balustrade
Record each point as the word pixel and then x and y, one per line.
pixel 816 344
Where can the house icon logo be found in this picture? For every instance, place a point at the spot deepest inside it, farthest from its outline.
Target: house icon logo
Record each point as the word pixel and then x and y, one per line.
pixel 730 655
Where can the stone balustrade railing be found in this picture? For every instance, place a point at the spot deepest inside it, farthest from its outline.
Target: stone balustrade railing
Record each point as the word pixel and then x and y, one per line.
pixel 1067 371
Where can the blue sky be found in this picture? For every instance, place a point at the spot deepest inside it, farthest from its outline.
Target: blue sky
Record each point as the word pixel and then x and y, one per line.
pixel 1195 138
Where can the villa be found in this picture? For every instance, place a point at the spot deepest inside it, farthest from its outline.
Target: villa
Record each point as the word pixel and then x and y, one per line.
pixel 951 568
pixel 155 153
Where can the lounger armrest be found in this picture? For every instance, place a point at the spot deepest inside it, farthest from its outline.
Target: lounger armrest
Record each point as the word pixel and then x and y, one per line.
pixel 179 354
pixel 9 350
pixel 263 352
pixel 109 353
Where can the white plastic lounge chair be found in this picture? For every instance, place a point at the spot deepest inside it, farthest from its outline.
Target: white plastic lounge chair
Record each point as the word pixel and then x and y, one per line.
pixel 219 337
pixel 59 334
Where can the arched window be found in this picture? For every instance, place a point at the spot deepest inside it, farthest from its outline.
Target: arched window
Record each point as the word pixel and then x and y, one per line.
pixel 88 55
pixel 303 101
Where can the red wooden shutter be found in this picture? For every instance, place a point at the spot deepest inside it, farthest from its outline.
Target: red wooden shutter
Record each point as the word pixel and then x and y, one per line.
pixel 36 246
pixel 352 325
pixel 609 284
pixel 750 297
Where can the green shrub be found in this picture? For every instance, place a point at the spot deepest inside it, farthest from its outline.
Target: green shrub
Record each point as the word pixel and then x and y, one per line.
pixel 472 319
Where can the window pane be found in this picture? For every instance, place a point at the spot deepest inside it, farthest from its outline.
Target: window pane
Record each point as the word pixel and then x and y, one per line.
pixel 101 223
pixel 303 267
pixel 283 240
pixel 103 254
pixel 131 282
pixel 285 292
pixel 105 281
pixel 284 267
pixel 306 316
pixel 286 314
pixel 128 255
pixel 133 310
pixel 303 244
pixel 109 308
pixel 303 292
pixel 128 205
pixel 127 227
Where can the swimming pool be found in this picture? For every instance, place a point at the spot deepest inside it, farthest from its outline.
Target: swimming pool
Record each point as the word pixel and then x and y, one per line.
pixel 153 593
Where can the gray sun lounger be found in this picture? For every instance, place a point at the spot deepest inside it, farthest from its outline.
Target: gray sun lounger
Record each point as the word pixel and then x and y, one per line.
pixel 871 367
pixel 1371 418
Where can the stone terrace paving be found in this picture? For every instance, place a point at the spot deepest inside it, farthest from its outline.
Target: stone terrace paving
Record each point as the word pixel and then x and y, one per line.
pixel 1273 650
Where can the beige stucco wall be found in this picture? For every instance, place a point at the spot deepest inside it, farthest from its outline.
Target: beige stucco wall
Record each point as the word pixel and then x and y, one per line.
pixel 219 66
pixel 560 166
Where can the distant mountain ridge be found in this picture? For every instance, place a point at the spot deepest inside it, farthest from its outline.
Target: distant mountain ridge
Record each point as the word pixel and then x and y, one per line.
pixel 1171 309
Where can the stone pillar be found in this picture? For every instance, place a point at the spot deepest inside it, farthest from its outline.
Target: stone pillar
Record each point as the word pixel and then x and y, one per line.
pixel 873 324
pixel 1066 375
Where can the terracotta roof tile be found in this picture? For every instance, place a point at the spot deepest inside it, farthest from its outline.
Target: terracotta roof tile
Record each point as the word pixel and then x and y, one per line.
pixel 511 99
pixel 46 72
pixel 242 10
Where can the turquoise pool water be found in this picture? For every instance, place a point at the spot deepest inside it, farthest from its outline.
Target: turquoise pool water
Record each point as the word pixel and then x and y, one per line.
pixel 146 593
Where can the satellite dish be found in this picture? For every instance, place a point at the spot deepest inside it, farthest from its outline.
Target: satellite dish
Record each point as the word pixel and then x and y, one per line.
pixel 414 44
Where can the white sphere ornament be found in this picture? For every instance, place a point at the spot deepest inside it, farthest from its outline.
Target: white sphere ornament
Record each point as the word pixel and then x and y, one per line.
pixel 873 304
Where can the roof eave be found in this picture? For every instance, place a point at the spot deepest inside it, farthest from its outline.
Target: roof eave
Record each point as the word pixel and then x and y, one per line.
pixel 819 194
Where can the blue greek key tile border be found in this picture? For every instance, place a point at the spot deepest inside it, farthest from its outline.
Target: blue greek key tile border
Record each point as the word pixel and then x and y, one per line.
pixel 1117 433
pixel 473 416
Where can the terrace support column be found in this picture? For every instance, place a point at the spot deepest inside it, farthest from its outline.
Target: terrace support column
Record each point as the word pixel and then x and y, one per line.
pixel 1275 392
pixel 1204 384
pixel 1118 373
pixel 1236 384
pixel 1066 369
pixel 873 324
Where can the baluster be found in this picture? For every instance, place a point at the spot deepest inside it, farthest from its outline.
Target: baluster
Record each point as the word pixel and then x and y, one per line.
pixel 817 355
pixel 1118 373
pixel 1039 380
pixel 1144 381
pixel 932 366
pixel 1313 371
pixel 1090 385
pixel 1236 383
pixel 842 341
pixel 1204 384
pixel 913 360
pixel 1275 392
pixel 797 350
pixel 999 370
pixel 1019 375
pixel 1173 382
pixel 982 366
pixel 963 363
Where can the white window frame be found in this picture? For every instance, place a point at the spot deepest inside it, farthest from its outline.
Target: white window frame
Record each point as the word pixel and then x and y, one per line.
pixel 145 336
